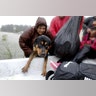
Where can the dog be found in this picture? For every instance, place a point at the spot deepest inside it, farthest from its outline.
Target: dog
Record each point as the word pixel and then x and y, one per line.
pixel 41 47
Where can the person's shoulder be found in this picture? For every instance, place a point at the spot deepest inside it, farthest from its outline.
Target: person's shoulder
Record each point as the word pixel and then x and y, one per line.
pixel 28 31
pixel 55 18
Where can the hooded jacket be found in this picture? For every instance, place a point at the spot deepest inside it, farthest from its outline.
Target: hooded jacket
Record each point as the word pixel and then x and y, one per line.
pixel 27 38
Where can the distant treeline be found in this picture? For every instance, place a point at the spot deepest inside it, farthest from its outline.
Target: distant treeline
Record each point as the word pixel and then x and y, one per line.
pixel 14 28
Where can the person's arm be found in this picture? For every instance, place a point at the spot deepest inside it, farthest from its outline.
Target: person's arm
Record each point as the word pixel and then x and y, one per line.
pixel 23 45
pixel 23 42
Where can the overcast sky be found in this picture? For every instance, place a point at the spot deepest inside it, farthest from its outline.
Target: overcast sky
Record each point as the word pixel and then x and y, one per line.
pixel 25 20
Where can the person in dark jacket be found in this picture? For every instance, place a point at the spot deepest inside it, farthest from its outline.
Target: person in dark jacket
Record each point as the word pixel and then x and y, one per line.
pixel 88 46
pixel 27 38
pixel 88 24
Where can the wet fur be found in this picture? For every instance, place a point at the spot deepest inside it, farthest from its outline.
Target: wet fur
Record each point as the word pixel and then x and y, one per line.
pixel 41 47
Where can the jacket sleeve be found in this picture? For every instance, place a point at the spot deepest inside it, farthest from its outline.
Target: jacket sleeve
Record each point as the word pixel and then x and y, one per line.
pixel 23 42
pixel 52 28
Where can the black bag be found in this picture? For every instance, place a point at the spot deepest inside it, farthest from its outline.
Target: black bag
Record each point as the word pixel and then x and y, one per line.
pixel 85 52
pixel 67 42
pixel 73 71
pixel 82 54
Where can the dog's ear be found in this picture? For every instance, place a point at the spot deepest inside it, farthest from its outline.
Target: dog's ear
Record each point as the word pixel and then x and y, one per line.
pixel 35 42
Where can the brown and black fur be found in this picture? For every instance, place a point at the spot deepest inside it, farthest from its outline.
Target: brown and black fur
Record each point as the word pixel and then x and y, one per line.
pixel 41 47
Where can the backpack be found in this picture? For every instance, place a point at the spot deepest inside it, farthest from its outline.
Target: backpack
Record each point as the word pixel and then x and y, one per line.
pixel 72 71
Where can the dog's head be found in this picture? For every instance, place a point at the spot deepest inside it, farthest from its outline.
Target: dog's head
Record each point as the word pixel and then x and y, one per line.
pixel 42 45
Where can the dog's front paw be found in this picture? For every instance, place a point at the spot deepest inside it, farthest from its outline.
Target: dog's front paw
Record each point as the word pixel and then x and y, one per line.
pixel 24 69
pixel 43 73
